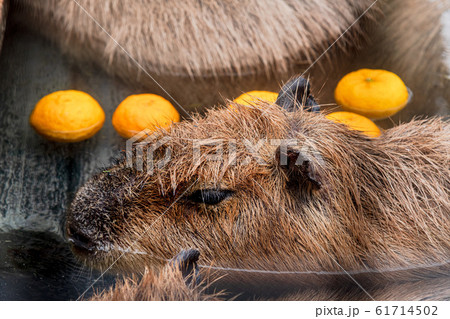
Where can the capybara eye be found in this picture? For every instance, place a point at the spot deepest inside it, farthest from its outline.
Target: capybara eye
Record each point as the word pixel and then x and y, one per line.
pixel 209 196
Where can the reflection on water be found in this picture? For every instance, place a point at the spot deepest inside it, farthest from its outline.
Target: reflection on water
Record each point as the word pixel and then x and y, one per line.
pixel 40 266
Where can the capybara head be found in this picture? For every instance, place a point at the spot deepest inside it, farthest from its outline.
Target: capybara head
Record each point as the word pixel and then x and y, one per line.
pixel 273 187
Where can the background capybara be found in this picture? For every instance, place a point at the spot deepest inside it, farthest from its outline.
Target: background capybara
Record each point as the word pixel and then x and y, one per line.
pixel 200 52
pixel 326 199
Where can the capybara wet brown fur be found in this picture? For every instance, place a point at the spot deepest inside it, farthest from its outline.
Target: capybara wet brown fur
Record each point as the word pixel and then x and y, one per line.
pixel 170 284
pixel 277 200
pixel 176 281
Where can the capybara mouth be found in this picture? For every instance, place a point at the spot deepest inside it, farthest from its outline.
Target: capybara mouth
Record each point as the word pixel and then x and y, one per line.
pixel 94 256
pixel 79 240
pixel 86 248
pixel 104 255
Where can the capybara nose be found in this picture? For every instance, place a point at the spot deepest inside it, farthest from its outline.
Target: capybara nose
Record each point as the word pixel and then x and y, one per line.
pixel 80 240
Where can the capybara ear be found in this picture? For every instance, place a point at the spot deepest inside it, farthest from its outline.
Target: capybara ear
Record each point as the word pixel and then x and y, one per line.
pixel 296 94
pixel 300 166
pixel 186 262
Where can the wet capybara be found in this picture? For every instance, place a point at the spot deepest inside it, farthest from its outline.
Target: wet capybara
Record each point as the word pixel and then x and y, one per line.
pixel 174 282
pixel 270 190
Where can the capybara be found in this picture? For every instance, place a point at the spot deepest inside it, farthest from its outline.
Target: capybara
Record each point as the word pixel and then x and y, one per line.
pixel 277 198
pixel 173 283
pixel 176 281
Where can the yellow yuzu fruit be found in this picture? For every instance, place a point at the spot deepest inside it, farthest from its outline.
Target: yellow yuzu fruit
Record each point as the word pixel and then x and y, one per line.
pixel 356 122
pixel 252 97
pixel 143 111
pixel 375 94
pixel 67 116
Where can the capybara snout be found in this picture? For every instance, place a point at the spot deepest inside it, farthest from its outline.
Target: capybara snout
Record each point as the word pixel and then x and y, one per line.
pixel 99 211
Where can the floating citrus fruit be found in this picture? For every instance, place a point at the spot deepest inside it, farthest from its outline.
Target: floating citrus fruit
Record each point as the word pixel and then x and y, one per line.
pixel 252 97
pixel 356 122
pixel 67 116
pixel 376 94
pixel 143 111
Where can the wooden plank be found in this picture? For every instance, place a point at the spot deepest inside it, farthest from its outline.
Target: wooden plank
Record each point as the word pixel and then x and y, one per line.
pixel 39 177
